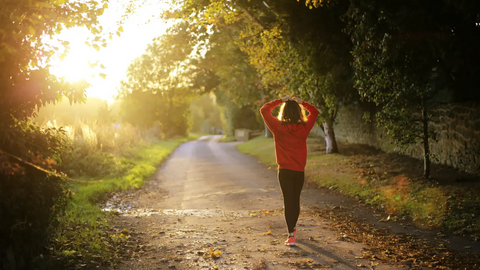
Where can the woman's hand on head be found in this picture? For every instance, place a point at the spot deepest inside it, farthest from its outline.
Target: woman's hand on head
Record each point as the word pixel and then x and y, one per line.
pixel 286 98
pixel 299 101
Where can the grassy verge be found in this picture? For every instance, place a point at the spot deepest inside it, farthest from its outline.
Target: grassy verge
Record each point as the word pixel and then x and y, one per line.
pixel 228 139
pixel 259 147
pixel 391 183
pixel 84 229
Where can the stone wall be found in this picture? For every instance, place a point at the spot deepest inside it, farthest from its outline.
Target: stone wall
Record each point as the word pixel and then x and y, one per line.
pixel 457 127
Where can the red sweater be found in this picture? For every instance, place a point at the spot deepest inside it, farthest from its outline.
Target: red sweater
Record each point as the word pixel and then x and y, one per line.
pixel 290 139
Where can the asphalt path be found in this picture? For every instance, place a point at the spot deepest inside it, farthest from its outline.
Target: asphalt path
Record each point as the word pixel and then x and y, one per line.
pixel 211 207
pixel 206 174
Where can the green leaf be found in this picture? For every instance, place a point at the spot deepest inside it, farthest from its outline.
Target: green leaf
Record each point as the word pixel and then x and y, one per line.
pixel 103 75
pixel 96 47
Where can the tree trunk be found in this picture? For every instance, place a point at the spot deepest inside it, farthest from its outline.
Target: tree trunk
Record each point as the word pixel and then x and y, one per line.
pixel 330 141
pixel 426 147
pixel 227 120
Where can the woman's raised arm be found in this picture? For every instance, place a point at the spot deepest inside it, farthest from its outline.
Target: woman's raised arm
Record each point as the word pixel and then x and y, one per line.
pixel 312 116
pixel 266 111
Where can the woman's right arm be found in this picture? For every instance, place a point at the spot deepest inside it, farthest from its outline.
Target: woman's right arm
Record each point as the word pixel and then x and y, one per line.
pixel 266 111
pixel 312 116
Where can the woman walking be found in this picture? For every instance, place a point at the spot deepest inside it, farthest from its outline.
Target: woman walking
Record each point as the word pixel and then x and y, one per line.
pixel 290 130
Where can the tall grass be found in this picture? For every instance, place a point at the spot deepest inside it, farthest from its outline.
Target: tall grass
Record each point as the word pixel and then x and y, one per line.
pixel 99 150
pixel 114 138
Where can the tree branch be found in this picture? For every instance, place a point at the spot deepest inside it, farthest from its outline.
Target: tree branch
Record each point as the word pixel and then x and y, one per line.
pixel 253 18
pixel 45 170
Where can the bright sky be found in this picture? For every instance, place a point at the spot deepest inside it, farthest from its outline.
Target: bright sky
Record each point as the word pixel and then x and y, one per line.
pixel 139 29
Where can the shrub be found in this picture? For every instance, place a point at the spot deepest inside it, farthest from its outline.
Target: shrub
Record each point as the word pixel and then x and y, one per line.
pixel 29 209
pixel 32 198
pixel 95 149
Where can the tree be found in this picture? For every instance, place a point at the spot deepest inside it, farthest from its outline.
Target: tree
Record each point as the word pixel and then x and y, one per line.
pixel 312 61
pixel 32 195
pixel 406 52
pixel 220 66
pixel 236 83
pixel 205 114
pixel 157 90
pixel 25 81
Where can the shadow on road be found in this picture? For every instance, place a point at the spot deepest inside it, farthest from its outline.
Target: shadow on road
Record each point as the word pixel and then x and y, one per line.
pixel 327 255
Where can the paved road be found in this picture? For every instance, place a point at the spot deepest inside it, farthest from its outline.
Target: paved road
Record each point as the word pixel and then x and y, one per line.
pixel 206 174
pixel 209 197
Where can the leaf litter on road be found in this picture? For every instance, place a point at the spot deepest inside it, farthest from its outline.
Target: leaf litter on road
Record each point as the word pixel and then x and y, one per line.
pixel 396 248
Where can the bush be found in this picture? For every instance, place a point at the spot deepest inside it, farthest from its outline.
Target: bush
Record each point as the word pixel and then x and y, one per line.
pixel 95 149
pixel 28 210
pixel 83 161
pixel 31 198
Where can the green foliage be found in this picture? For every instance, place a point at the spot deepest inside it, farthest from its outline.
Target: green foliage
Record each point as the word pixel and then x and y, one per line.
pixel 24 76
pixel 157 90
pixel 84 161
pixel 32 199
pixel 82 232
pixel 247 118
pixel 290 50
pixel 205 114
pixel 95 148
pixel 403 56
pixel 237 81
pixel 390 68
pixel 29 210
pixel 35 198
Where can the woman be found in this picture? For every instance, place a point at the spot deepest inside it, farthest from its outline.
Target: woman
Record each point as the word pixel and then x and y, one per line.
pixel 290 133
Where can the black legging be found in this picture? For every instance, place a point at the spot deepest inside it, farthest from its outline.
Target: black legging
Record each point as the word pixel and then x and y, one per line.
pixel 291 183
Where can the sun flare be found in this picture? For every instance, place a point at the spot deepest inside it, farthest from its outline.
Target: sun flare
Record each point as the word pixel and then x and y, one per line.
pixel 105 68
pixel 75 66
